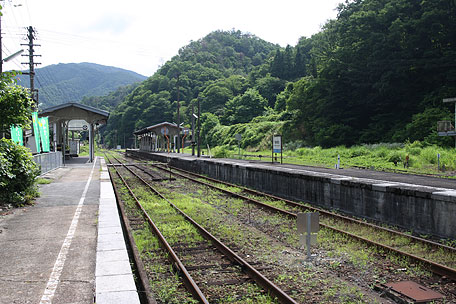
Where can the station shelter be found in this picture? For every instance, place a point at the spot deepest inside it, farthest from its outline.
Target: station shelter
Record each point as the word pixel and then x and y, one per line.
pixel 71 117
pixel 161 137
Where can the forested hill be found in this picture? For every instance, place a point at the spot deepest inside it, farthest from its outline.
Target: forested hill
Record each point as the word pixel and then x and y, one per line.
pixel 71 82
pixel 216 66
pixel 377 73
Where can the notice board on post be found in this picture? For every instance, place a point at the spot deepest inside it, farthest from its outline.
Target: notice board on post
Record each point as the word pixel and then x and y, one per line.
pixel 276 147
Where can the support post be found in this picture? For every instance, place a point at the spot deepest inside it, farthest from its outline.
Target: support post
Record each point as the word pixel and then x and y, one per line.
pixel 63 141
pixel 91 141
pixel 178 116
pixel 199 127
pixel 193 130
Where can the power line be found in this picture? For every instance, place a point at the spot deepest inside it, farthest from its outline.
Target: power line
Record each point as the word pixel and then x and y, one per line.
pixel 28 12
pixel 43 90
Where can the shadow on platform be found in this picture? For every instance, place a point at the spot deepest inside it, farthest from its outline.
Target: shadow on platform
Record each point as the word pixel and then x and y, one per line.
pixel 77 161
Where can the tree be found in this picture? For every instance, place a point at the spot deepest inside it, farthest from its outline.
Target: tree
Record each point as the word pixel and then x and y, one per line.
pixel 243 108
pixel 15 104
pixel 18 171
pixel 269 87
pixel 17 168
pixel 209 123
pixel 214 98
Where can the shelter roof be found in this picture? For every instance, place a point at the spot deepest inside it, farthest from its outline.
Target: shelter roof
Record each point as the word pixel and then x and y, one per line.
pixel 157 127
pixel 72 110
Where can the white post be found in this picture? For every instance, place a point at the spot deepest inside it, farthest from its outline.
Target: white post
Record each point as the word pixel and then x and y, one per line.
pixel 438 161
pixel 309 235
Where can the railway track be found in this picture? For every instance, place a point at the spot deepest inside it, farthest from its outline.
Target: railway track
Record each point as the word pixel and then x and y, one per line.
pixel 206 265
pixel 438 258
pixel 350 227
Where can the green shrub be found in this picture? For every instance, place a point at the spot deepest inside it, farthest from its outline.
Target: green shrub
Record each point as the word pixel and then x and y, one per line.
pixel 17 173
pixel 395 157
pixel 358 151
pixel 221 152
pixel 382 152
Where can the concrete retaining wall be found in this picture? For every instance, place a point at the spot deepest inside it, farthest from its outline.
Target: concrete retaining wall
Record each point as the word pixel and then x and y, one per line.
pixel 421 209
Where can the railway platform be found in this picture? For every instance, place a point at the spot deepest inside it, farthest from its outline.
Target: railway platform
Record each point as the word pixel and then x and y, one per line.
pixel 69 246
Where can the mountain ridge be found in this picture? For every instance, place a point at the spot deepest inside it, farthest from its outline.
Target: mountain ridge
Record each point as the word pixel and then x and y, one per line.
pixel 71 82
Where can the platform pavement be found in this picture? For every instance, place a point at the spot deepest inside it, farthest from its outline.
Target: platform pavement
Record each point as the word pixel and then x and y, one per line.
pixel 48 252
pixel 114 279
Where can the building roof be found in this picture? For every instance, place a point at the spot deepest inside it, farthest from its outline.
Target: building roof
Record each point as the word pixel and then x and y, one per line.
pixel 72 110
pixel 156 127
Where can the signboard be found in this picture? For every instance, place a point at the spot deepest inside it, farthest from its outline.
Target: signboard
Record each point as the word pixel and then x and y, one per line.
pixel 36 131
pixel 78 125
pixel 303 225
pixel 276 147
pixel 277 143
pixel 164 130
pixel 238 137
pixel 43 124
pixel 16 135
pixel 308 226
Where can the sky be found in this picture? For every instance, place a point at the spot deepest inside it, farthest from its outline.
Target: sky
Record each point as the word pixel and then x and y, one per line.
pixel 141 35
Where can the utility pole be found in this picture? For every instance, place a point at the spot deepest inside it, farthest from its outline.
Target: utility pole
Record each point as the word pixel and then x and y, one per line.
pixel 199 126
pixel 178 116
pixel 193 128
pixel 31 63
pixel 1 47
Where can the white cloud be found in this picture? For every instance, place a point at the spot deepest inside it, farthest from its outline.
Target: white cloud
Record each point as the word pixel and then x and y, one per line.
pixel 140 35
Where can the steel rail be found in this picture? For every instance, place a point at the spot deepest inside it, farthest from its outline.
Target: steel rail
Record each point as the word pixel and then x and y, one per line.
pixel 145 294
pixel 325 212
pixel 230 254
pixel 433 266
pixel 188 280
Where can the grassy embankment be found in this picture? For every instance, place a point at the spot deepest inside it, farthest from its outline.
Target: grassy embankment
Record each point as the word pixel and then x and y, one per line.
pixel 423 158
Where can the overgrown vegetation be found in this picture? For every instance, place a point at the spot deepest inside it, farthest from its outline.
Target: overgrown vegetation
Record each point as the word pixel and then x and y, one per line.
pixel 17 168
pixel 15 103
pixel 423 157
pixel 377 73
pixel 17 174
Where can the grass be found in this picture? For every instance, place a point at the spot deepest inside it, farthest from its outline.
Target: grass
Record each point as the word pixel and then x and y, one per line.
pixel 206 210
pixel 347 252
pixel 165 282
pixel 84 149
pixel 43 181
pixel 382 157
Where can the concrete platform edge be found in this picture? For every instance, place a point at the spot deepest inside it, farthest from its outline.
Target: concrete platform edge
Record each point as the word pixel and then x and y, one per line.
pixel 114 281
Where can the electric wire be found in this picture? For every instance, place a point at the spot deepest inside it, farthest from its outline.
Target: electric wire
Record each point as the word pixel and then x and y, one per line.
pixel 28 12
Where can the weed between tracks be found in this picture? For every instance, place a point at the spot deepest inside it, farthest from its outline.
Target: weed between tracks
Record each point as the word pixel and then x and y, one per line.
pixel 303 281
pixel 179 233
pixel 405 244
pixel 350 261
pixel 166 285
pixel 345 273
